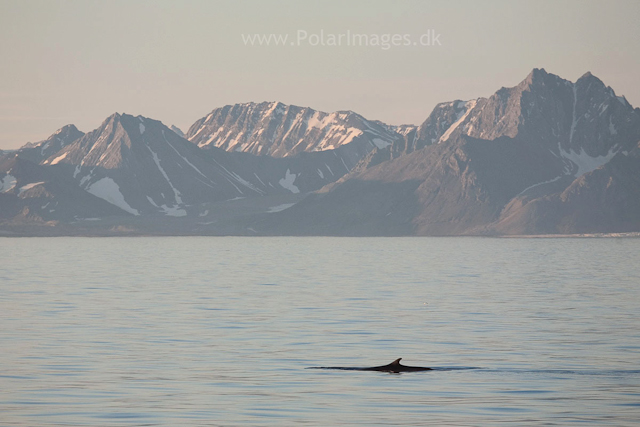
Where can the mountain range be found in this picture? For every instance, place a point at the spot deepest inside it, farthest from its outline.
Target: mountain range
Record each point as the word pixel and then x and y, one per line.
pixel 548 156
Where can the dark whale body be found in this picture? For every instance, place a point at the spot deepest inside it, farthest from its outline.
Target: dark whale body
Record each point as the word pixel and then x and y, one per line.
pixel 394 367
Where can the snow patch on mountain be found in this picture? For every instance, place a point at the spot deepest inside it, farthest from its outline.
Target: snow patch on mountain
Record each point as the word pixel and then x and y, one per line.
pixel 7 183
pixel 612 128
pixel 29 187
pixel 85 178
pixel 380 143
pixel 107 189
pixel 538 184
pixel 281 130
pixel 173 210
pixel 280 208
pixel 176 193
pixel 462 115
pixel 575 120
pixel 58 159
pixel 44 146
pixel 152 202
pixel 584 162
pixel 287 182
pixel 188 162
pixel 315 121
pixel 246 183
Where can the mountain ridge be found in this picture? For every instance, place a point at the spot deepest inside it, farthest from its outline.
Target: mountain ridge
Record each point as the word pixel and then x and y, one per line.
pixel 492 155
pixel 545 156
pixel 280 130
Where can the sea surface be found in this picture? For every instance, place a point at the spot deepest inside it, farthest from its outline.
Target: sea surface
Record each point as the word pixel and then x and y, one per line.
pixel 211 331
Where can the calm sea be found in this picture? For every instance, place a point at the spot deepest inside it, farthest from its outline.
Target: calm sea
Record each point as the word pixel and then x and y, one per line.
pixel 219 331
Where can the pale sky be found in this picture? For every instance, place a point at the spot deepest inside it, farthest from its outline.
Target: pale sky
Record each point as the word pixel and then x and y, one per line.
pixel 80 61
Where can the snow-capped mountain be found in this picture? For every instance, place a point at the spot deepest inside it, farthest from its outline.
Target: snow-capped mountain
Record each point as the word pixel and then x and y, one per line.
pixel 583 123
pixel 279 130
pixel 143 167
pixel 546 156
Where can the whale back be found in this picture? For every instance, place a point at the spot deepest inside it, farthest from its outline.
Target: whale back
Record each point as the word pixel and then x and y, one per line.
pixel 395 367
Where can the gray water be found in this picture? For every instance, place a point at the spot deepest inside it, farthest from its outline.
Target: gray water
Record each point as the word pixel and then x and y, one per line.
pixel 219 331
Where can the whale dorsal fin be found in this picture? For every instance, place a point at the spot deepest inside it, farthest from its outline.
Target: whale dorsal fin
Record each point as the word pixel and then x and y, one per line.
pixel 396 362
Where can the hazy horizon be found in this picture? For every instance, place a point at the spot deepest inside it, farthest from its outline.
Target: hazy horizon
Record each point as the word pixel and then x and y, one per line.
pixel 79 62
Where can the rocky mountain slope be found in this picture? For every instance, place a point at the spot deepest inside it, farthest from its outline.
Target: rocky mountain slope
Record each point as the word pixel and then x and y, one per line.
pixel 144 168
pixel 39 151
pixel 30 194
pixel 546 156
pixel 279 130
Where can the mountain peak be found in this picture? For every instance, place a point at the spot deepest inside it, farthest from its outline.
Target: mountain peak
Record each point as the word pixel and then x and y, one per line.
pixel 128 122
pixel 66 129
pixel 115 115
pixel 590 78
pixel 537 74
pixel 539 77
pixel 38 151
pixel 113 119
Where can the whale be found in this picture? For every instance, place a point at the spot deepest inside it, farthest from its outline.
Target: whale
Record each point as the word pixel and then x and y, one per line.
pixel 394 367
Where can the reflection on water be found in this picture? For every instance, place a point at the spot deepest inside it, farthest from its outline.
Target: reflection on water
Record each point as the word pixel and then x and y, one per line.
pixel 220 331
